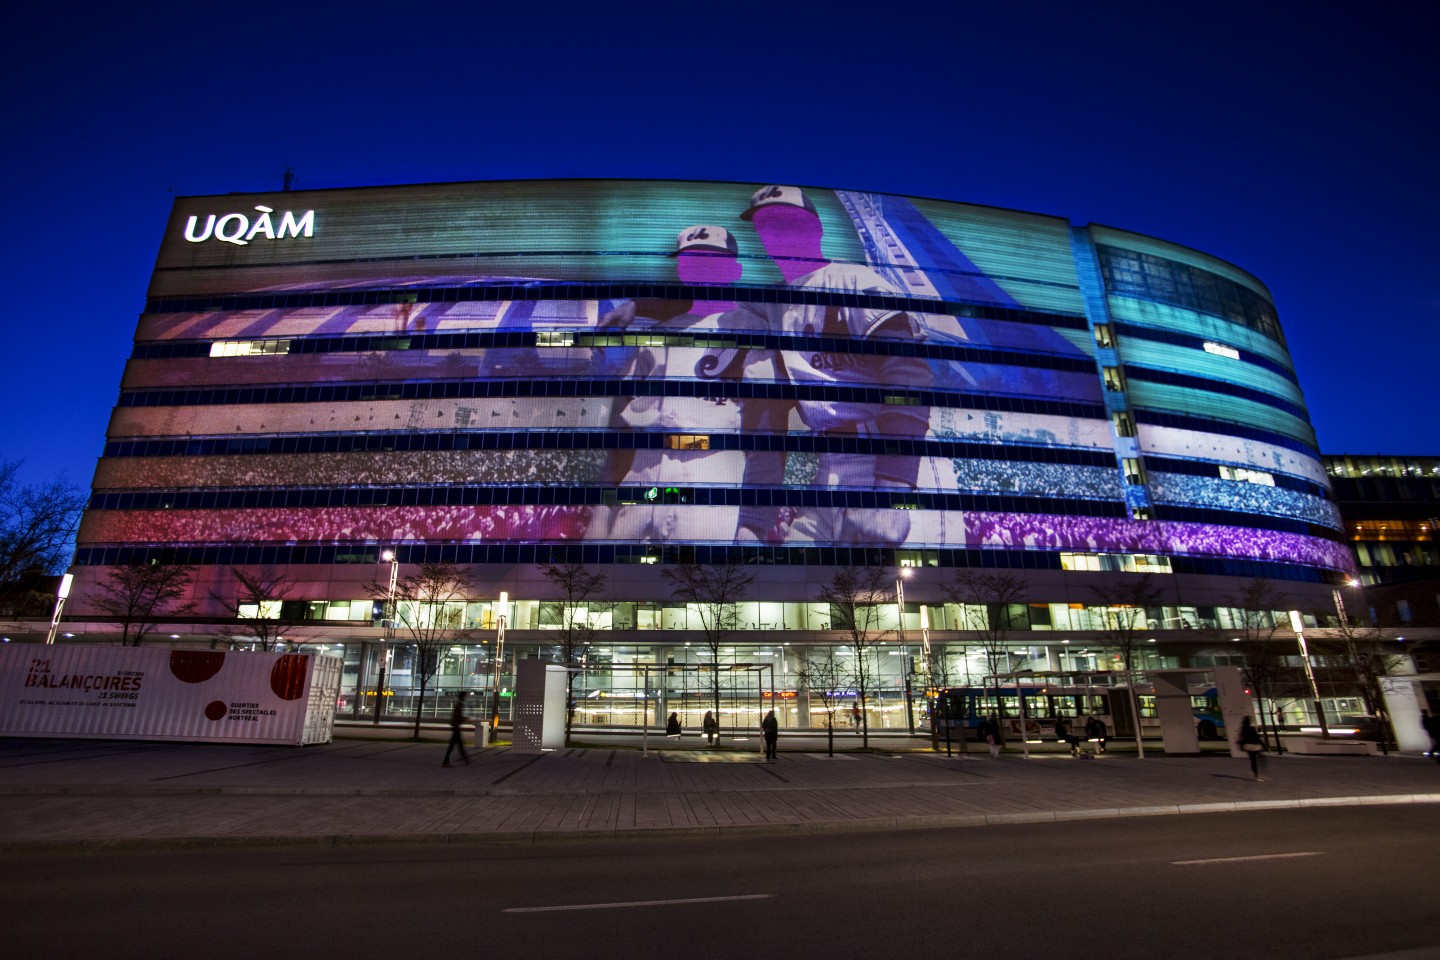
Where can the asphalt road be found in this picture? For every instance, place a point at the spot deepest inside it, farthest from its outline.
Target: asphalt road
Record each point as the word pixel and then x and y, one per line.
pixel 1314 884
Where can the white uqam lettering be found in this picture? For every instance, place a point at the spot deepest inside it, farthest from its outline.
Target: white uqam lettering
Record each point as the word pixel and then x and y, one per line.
pixel 290 224
pixel 190 229
pixel 262 225
pixel 237 228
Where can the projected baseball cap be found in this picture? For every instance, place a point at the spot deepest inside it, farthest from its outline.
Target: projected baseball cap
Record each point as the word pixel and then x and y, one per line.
pixel 705 238
pixel 769 196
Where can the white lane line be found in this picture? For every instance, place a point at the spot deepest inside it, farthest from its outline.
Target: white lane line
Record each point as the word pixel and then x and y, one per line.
pixel 1263 856
pixel 634 903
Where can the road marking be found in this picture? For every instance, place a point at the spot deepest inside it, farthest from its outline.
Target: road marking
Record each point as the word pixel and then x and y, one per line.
pixel 1263 856
pixel 634 903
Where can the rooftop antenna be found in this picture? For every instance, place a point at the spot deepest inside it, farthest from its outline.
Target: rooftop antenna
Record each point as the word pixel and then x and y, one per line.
pixel 287 179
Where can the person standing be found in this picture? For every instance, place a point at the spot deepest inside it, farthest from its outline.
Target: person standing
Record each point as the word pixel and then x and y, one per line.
pixel 457 721
pixel 1249 741
pixel 771 728
pixel 1432 728
pixel 1095 730
pixel 990 730
pixel 711 728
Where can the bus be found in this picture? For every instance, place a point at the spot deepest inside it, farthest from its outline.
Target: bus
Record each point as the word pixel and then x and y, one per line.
pixel 964 708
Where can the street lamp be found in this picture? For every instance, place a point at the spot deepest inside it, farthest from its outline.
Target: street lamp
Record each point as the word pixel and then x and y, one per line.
pixel 904 651
pixel 388 624
pixel 499 660
pixel 1298 626
pixel 61 596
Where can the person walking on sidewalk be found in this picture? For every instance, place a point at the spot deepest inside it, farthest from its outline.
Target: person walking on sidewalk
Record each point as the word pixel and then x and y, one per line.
pixel 1432 729
pixel 1249 741
pixel 457 721
pixel 990 730
pixel 771 727
pixel 711 728
pixel 1095 730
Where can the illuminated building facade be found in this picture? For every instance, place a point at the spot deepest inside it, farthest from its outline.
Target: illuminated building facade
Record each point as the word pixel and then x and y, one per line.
pixel 632 375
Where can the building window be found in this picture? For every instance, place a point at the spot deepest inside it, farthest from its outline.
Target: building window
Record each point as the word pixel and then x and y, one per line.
pixel 687 441
pixel 248 348
pixel 1244 475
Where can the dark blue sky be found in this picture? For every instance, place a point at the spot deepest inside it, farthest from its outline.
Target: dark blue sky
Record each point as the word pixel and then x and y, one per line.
pixel 1298 140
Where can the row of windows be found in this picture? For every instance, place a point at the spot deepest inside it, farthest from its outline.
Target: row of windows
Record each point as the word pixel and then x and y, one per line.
pixel 1134 332
pixel 537 339
pixel 1215 386
pixel 510 554
pixel 740 293
pixel 555 387
pixel 589 440
pixel 1145 276
pixel 1246 519
pixel 253 498
pixel 1227 428
pixel 1202 468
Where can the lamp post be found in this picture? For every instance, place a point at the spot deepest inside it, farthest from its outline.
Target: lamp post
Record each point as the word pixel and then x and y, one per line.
pixel 61 596
pixel 499 661
pixel 1298 626
pixel 388 624
pixel 904 650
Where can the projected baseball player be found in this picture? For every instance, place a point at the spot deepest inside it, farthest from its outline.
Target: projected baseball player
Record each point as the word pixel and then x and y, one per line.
pixel 790 230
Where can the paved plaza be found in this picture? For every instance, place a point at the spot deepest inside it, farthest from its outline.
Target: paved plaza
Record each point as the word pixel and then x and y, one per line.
pixel 73 794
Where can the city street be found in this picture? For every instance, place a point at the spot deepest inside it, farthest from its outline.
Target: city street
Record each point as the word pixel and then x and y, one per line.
pixel 1319 884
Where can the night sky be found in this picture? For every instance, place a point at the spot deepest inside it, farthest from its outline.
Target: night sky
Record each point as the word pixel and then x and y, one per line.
pixel 1297 140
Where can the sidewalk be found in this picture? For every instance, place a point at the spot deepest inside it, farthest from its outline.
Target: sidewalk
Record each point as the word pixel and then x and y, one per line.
pixel 87 795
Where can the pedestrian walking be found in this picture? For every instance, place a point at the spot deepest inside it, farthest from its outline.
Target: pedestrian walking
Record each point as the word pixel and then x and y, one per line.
pixel 672 725
pixel 855 716
pixel 771 727
pixel 1095 730
pixel 1432 727
pixel 990 730
pixel 1249 741
pixel 711 728
pixel 1063 734
pixel 457 720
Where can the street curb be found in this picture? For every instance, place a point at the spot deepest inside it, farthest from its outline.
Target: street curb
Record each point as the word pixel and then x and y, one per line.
pixel 711 832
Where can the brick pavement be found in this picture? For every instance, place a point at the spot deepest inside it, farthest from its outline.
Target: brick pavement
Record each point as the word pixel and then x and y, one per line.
pixel 102 794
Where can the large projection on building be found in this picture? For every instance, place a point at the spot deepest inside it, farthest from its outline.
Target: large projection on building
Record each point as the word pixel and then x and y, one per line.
pixel 652 371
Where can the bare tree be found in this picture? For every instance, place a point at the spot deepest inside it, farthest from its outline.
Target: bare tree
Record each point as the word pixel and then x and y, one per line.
pixel 37 524
pixel 1267 670
pixel 258 608
pixel 1366 647
pixel 1125 601
pixel 430 609
pixel 579 612
pixel 715 591
pixel 988 600
pixel 140 595
pixel 856 596
pixel 825 675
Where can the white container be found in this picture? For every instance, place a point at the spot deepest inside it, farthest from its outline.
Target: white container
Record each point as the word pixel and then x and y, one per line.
pixel 145 693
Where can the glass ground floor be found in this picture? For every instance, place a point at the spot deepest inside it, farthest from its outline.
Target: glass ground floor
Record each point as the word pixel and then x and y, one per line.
pixel 640 685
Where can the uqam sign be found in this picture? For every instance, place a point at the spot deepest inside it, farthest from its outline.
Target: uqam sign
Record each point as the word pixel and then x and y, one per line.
pixel 244 228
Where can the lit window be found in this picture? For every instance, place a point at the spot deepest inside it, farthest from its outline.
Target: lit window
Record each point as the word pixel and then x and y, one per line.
pixel 687 441
pixel 1242 475
pixel 248 348
pixel 1220 350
